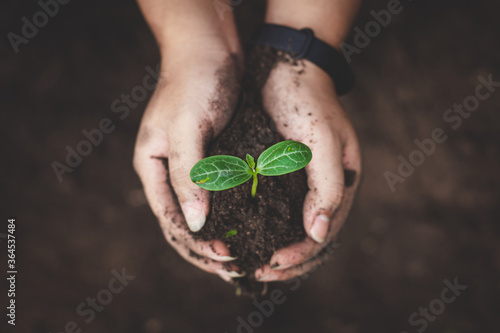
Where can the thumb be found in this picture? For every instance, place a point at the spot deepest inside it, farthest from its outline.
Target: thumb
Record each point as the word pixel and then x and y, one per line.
pixel 186 149
pixel 325 177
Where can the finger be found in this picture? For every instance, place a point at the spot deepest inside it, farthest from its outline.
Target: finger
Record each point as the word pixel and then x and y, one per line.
pixel 225 270
pixel 300 252
pixel 148 164
pixel 266 274
pixel 351 165
pixel 269 274
pixel 153 175
pixel 186 147
pixel 325 177
pixel 294 254
pixel 215 249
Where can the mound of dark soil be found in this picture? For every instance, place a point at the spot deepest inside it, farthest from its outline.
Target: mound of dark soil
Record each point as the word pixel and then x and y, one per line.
pixel 273 219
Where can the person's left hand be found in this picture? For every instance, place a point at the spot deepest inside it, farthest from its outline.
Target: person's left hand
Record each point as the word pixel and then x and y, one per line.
pixel 302 101
pixel 184 114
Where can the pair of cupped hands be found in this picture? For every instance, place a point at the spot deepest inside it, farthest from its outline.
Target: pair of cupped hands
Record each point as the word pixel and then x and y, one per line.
pixel 193 103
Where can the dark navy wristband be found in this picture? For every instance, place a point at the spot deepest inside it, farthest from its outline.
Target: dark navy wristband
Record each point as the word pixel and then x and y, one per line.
pixel 301 44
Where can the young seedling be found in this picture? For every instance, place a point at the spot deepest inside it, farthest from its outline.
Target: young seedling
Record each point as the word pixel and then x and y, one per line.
pixel 222 172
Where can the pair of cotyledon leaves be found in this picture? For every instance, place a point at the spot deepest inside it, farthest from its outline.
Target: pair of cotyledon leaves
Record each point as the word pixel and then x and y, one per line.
pixel 222 172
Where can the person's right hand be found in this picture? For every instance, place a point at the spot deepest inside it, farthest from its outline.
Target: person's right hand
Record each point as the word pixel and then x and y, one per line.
pixel 192 103
pixel 303 104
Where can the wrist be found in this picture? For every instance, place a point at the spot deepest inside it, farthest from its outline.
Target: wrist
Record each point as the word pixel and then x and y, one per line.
pixel 190 27
pixel 197 46
pixel 328 37
pixel 302 44
pixel 302 77
pixel 330 20
pixel 199 60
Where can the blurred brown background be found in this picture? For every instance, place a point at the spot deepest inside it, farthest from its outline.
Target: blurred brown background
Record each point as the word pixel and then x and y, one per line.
pixel 396 249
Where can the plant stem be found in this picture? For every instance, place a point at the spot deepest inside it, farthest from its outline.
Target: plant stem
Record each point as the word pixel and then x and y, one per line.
pixel 254 185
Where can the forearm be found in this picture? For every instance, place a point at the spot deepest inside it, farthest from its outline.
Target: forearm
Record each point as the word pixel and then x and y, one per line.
pixel 187 30
pixel 329 19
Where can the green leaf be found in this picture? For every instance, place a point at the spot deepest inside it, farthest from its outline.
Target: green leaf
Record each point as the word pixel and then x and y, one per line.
pixel 231 233
pixel 220 172
pixel 284 157
pixel 250 161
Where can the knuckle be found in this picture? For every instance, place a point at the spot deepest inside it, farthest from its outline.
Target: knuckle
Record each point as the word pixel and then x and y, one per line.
pixel 181 181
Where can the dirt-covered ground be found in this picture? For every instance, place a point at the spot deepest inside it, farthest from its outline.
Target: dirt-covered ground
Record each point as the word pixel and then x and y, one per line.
pixel 396 251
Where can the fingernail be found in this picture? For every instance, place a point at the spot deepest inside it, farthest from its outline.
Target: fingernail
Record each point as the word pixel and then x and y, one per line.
pixel 195 218
pixel 234 274
pixel 320 228
pixel 264 277
pixel 223 275
pixel 228 275
pixel 222 258
pixel 227 258
pixel 262 273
